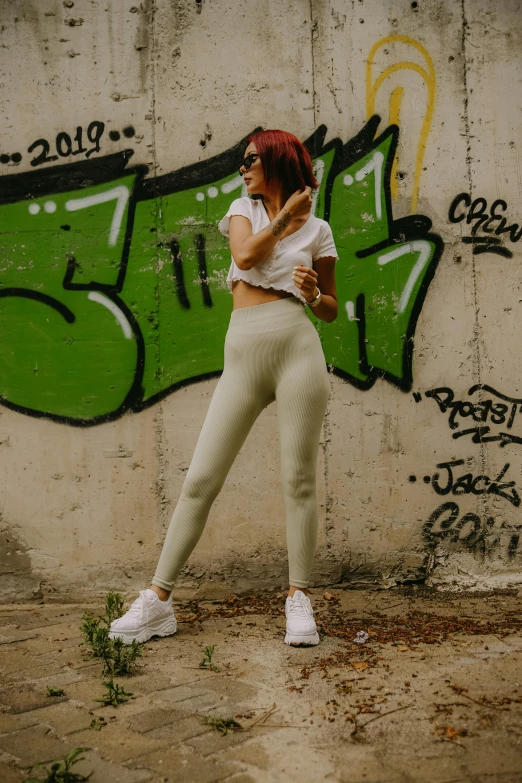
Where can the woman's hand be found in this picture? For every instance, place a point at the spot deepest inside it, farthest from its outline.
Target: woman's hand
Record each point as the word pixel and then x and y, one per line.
pixel 300 203
pixel 305 279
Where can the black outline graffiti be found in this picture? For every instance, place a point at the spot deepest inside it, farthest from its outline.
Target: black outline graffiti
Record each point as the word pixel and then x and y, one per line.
pixel 488 244
pixel 482 537
pixel 479 411
pixel 400 230
pixel 86 173
pixel 469 484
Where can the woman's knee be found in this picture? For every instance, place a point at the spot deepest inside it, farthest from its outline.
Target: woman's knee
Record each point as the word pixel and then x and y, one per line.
pixel 201 485
pixel 298 484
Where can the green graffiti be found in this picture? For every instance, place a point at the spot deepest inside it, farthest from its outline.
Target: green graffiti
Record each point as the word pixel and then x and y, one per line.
pixel 113 291
pixel 380 276
pixel 62 350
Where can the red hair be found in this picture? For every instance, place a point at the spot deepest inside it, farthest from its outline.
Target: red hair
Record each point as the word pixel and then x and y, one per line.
pixel 284 159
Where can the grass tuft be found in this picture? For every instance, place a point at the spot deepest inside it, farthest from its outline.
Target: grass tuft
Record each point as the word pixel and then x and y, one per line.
pixel 59 771
pixel 55 691
pixel 206 662
pixel 119 659
pixel 116 694
pixel 223 725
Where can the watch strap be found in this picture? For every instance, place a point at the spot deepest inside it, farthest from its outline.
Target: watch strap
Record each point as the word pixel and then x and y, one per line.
pixel 317 299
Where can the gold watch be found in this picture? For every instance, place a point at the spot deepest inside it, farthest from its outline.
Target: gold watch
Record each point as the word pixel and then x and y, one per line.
pixel 317 299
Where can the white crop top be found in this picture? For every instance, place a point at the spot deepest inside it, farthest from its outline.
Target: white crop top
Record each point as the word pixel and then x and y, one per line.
pixel 312 241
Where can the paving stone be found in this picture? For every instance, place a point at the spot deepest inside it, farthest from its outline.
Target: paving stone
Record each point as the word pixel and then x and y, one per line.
pixel 27 620
pixel 181 692
pixel 171 684
pixel 35 672
pixel 356 763
pixel 230 686
pixel 6 628
pixel 253 754
pixel 10 774
pixel 87 691
pixel 11 635
pixel 186 769
pixel 106 772
pixel 146 682
pixel 214 741
pixel 128 708
pixel 64 718
pixel 154 719
pixel 181 730
pixel 33 745
pixel 47 640
pixel 26 698
pixel 198 701
pixel 118 743
pixel 10 722
pixel 61 680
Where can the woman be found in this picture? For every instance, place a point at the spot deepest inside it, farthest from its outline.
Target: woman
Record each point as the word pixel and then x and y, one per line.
pixel 283 260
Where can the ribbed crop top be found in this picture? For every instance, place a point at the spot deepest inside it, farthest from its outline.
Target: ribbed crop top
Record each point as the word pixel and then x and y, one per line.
pixel 312 241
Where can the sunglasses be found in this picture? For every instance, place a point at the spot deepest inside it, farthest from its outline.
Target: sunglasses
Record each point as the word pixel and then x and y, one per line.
pixel 247 162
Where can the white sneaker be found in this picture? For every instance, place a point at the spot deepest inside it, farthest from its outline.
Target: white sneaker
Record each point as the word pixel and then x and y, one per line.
pixel 148 616
pixel 300 623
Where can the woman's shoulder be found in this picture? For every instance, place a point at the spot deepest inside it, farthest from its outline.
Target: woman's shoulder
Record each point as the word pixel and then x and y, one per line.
pixel 246 200
pixel 319 221
pixel 321 226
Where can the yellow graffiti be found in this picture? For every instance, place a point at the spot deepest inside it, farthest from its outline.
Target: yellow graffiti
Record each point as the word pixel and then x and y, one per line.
pixel 372 89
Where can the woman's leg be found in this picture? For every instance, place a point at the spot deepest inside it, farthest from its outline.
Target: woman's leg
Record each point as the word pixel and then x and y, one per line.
pixel 238 399
pixel 301 396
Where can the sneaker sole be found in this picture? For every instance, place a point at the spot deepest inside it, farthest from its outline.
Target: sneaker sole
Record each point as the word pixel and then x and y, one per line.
pixel 165 628
pixel 297 639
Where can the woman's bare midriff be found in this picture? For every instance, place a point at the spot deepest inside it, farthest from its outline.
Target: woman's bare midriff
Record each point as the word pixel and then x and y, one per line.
pixel 246 295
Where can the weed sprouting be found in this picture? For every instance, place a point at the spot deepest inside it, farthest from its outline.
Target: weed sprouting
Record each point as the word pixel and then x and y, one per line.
pixel 206 662
pixel 119 659
pixel 116 694
pixel 55 691
pixel 223 725
pixel 96 635
pixel 113 607
pixel 59 771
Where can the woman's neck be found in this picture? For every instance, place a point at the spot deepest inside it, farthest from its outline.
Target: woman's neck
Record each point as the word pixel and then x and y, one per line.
pixel 274 203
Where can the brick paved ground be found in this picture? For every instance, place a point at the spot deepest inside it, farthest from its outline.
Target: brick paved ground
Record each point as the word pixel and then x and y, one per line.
pixel 441 706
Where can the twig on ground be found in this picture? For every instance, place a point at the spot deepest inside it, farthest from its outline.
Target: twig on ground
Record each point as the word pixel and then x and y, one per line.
pixel 278 726
pixel 262 718
pixel 381 715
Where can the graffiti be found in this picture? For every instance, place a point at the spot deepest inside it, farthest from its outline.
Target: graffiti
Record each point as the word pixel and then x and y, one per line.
pixel 484 221
pixel 112 285
pixel 468 484
pixel 385 267
pixel 482 410
pixel 479 536
pixel 427 75
pixel 64 144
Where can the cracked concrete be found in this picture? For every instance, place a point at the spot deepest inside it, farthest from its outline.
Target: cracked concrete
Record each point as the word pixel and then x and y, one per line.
pixel 434 695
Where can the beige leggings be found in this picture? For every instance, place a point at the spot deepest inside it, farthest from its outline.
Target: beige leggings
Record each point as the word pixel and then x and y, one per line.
pixel 272 352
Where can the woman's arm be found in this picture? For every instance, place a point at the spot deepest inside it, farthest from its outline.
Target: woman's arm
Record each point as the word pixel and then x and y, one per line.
pixel 247 248
pixel 323 277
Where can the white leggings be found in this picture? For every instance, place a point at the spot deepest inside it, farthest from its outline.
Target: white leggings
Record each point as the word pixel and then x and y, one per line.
pixel 272 352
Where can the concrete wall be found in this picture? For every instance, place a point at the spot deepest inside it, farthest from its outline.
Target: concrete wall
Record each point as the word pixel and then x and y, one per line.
pixel 120 136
